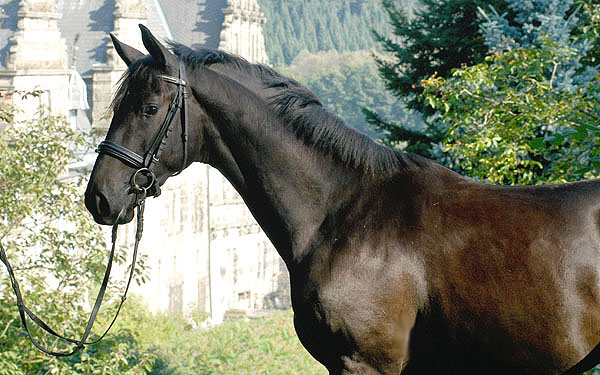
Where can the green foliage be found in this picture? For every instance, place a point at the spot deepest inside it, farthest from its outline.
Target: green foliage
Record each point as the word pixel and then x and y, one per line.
pixel 588 29
pixel 266 345
pixel 444 36
pixel 308 65
pixel 440 36
pixel 533 22
pixel 313 25
pixel 537 22
pixel 55 249
pixel 506 122
pixel 346 82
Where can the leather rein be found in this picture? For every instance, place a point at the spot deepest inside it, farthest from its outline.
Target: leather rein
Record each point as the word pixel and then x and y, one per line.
pixel 142 190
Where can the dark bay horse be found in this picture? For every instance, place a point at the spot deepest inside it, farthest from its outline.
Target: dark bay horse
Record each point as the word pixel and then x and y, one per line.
pixel 397 265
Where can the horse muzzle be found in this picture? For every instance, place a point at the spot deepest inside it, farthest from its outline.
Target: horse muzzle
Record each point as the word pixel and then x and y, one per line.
pixel 106 212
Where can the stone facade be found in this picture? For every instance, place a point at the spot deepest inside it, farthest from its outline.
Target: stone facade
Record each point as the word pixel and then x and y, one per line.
pixel 37 61
pixel 242 30
pixel 205 251
pixel 128 14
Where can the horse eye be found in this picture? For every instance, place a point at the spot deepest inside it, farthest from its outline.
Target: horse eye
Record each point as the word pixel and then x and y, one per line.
pixel 150 110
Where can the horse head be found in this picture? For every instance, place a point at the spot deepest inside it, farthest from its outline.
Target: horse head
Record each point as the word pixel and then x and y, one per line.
pixel 142 147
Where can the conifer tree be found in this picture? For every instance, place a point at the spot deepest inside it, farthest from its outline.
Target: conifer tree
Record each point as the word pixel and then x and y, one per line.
pixel 440 36
pixel 588 26
pixel 542 23
pixel 334 24
pixel 509 122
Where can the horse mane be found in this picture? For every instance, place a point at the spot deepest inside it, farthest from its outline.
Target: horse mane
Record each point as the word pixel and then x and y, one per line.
pixel 296 105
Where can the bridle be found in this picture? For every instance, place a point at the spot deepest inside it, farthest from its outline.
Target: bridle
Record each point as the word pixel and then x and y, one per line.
pixel 142 190
pixel 145 163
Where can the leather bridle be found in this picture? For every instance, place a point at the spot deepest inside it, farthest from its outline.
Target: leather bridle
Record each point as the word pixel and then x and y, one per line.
pixel 142 190
pixel 145 163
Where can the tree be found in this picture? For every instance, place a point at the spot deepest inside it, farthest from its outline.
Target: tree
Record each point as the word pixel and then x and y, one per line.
pixel 293 26
pixel 506 121
pixel 55 249
pixel 532 20
pixel 538 21
pixel 440 36
pixel 588 27
pixel 346 82
pixel 505 26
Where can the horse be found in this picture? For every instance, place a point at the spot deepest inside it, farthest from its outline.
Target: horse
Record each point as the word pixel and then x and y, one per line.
pixel 397 265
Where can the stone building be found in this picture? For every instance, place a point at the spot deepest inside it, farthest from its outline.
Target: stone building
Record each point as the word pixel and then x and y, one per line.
pixel 205 251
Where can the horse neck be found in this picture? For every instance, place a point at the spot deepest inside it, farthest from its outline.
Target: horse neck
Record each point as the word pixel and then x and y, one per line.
pixel 289 187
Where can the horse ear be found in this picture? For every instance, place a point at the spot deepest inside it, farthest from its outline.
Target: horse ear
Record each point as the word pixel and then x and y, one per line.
pixel 160 53
pixel 126 52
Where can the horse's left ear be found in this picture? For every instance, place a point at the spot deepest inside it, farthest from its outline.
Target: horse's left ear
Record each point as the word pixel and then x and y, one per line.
pixel 127 53
pixel 163 57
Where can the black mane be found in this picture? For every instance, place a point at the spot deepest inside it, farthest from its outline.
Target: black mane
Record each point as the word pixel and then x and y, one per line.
pixel 299 107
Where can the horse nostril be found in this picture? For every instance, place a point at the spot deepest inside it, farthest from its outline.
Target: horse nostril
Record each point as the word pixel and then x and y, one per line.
pixel 96 203
pixel 102 206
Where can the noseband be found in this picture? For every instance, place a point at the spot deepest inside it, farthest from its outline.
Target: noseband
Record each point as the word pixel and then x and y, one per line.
pixel 144 164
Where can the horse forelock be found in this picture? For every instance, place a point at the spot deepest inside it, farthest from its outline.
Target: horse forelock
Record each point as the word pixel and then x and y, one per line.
pixel 141 76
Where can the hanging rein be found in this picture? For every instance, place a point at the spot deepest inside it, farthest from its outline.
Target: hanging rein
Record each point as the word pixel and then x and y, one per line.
pixel 142 189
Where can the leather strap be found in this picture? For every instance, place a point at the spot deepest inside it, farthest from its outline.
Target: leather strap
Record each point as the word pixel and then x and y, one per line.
pixel 152 155
pixel 138 162
pixel 25 312
pixel 177 104
pixel 124 154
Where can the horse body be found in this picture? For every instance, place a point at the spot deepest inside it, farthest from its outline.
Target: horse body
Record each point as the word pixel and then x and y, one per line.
pixel 396 264
pixel 520 280
pixel 494 279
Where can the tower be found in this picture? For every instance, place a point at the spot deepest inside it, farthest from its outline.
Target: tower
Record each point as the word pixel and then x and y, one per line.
pixel 242 30
pixel 127 15
pixel 37 60
pixel 37 44
pixel 62 48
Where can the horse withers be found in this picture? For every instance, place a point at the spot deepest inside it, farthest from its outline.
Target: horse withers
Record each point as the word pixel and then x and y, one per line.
pixel 397 265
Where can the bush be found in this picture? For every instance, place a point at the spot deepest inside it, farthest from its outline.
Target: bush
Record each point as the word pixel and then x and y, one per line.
pixel 507 122
pixel 56 251
pixel 266 345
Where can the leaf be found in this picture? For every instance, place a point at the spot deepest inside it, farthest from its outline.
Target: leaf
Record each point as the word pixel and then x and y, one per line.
pixel 581 133
pixel 582 170
pixel 537 143
pixel 557 140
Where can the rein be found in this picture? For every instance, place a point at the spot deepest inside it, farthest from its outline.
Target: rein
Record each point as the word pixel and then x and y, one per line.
pixel 150 187
pixel 24 311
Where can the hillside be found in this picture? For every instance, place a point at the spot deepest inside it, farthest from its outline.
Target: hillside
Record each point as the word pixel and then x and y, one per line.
pixel 328 46
pixel 346 82
pixel 315 25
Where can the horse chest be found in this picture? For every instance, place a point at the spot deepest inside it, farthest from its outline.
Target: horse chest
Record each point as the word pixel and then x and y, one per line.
pixel 358 308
